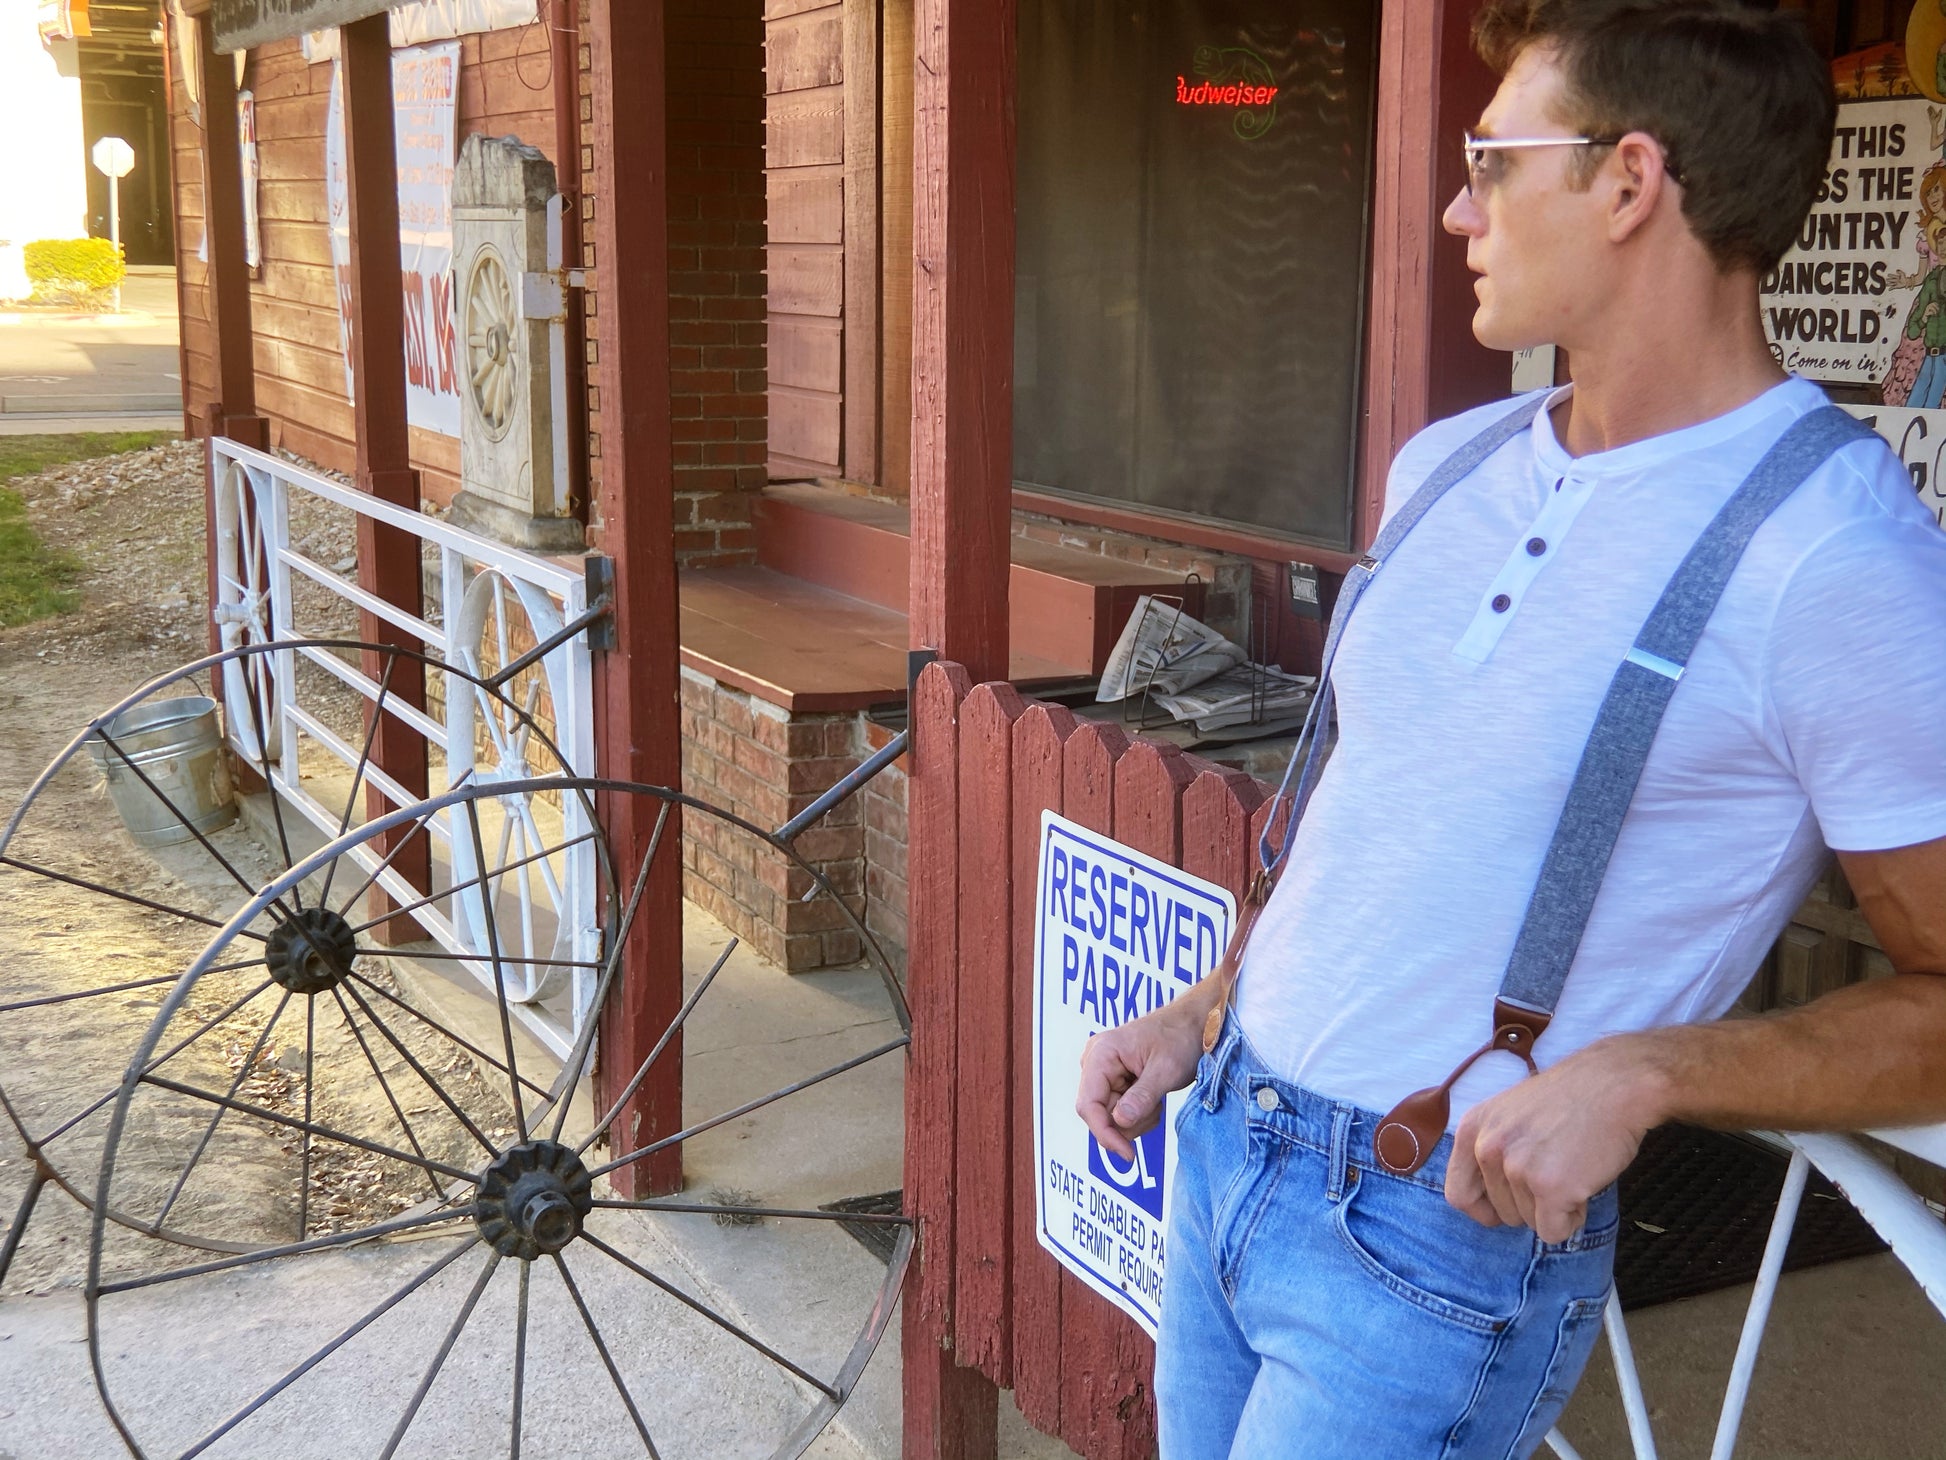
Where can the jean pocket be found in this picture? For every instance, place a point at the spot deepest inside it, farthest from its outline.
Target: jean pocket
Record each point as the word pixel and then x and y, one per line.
pixel 1431 1254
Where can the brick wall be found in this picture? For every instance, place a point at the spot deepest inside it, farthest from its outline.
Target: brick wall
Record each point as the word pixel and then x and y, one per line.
pixel 1227 596
pixel 717 354
pixel 765 765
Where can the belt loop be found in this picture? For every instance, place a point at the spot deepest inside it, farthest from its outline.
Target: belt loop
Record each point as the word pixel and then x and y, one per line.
pixel 1219 1062
pixel 1341 1116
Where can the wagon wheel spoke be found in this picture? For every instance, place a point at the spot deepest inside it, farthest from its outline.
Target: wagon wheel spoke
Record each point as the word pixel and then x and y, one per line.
pixel 439 1091
pixel 358 772
pixel 249 888
pixel 607 1359
pixel 121 895
pixel 155 1064
pixel 304 1145
pixel 520 1362
pixel 386 861
pixel 398 1226
pixel 291 1122
pixel 439 1359
pixel 113 988
pixel 343 1337
pixel 751 1106
pixel 711 1314
pixel 678 1207
pixel 244 1071
pixel 499 974
pixel 466 885
pixel 398 1112
pixel 253 700
pixel 441 1029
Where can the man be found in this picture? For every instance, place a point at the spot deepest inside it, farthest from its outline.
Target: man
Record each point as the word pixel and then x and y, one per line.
pixel 1640 168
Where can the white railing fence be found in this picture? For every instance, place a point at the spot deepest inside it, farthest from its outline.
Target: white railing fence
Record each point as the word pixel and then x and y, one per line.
pixel 1902 1220
pixel 493 603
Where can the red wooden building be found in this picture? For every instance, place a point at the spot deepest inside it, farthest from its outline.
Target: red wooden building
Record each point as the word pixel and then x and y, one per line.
pixel 936 324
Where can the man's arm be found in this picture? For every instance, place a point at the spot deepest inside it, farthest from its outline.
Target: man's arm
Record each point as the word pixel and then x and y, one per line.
pixel 1872 1054
pixel 1126 1071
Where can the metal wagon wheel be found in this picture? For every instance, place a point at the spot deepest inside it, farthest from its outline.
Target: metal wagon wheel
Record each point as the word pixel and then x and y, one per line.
pixel 243 608
pixel 519 1307
pixel 138 924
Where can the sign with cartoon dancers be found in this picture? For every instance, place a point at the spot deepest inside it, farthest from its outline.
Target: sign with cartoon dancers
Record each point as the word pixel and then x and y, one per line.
pixel 1861 297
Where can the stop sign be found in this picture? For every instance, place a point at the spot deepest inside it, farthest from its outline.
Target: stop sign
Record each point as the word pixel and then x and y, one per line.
pixel 113 157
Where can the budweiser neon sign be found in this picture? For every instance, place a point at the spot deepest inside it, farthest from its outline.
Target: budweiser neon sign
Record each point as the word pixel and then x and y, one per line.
pixel 1234 94
pixel 1235 77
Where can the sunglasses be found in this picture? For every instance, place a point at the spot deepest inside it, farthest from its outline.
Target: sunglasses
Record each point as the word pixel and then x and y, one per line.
pixel 1483 156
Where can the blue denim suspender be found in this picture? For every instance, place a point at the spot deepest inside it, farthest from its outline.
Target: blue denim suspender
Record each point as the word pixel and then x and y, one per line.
pixel 1611 763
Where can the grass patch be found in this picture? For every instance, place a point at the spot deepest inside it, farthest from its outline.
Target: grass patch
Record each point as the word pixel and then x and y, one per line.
pixel 24 455
pixel 37 581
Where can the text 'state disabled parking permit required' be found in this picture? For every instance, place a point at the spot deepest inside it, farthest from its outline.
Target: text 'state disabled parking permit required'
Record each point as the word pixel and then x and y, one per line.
pixel 1116 935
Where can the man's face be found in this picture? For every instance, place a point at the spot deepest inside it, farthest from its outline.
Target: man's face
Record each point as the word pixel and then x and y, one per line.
pixel 1535 241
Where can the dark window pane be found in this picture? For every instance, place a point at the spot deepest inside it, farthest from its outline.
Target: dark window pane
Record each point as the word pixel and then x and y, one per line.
pixel 1190 304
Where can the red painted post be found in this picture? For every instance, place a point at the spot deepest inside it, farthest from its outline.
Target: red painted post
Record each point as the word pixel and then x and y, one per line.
pixel 1149 783
pixel 227 290
pixel 1040 739
pixel 388 558
pixel 637 727
pixel 983 1230
pixel 963 330
pixel 1091 1384
pixel 950 1412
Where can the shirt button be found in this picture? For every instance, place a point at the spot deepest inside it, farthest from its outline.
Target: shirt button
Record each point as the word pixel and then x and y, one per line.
pixel 1501 603
pixel 1266 1099
pixel 1536 546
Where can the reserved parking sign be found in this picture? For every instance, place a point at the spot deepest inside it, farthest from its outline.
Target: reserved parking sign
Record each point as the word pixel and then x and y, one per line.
pixel 1116 935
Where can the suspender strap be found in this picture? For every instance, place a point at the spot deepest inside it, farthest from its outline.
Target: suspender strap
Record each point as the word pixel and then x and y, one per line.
pixel 1618 747
pixel 1611 767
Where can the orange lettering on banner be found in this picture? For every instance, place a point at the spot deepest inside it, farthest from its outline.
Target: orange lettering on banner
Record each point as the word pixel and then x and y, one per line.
pixel 442 332
pixel 415 331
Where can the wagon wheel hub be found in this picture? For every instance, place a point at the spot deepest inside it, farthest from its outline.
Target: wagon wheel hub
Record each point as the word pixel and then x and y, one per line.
pixel 311 952
pixel 533 1199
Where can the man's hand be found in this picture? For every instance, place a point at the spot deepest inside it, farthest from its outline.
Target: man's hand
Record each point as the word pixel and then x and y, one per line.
pixel 1125 1072
pixel 1534 1154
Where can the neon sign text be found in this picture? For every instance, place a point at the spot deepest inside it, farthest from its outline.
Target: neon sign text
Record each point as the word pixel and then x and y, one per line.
pixel 1207 94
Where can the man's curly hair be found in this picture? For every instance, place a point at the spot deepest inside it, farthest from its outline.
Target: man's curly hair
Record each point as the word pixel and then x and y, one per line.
pixel 1738 97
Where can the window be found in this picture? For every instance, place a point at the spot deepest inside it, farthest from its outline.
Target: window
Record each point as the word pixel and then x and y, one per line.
pixel 1194 189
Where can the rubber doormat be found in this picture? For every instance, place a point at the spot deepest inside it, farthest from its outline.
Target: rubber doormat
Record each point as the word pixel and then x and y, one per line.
pixel 881 1238
pixel 1696 1212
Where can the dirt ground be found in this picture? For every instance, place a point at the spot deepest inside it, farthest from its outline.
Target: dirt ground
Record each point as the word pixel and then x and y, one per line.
pixel 136 523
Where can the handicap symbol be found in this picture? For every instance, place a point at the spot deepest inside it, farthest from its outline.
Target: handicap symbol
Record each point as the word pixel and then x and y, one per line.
pixel 1139 1180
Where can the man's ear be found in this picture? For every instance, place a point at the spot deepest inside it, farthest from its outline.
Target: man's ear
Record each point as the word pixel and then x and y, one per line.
pixel 1639 175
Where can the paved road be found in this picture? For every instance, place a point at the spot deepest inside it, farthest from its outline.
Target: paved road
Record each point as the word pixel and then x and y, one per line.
pixel 96 365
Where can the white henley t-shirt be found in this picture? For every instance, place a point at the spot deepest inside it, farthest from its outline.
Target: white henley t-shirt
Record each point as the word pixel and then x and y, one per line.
pixel 1813 714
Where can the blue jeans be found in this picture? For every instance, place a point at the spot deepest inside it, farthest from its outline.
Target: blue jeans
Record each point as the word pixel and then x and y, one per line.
pixel 1931 384
pixel 1316 1307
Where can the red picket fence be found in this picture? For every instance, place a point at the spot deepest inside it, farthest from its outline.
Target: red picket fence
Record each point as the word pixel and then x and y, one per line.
pixel 985 765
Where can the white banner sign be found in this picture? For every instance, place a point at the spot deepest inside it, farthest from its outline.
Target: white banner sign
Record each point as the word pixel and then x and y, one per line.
pixel 1116 935
pixel 1920 439
pixel 425 94
pixel 1857 297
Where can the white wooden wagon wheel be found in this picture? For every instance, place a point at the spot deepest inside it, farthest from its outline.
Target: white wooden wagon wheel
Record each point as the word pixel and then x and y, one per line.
pixel 244 611
pixel 122 920
pixel 571 1311
pixel 492 736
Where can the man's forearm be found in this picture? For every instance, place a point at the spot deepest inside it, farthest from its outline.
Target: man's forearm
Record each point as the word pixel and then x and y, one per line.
pixel 1872 1054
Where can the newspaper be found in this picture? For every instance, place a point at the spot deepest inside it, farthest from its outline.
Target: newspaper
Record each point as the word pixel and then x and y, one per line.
pixel 1164 651
pixel 1248 694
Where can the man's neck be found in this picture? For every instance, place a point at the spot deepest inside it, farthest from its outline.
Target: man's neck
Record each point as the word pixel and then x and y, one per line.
pixel 1669 364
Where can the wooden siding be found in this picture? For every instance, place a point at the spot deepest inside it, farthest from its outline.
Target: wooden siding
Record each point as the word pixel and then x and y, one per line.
pixel 805 139
pixel 506 89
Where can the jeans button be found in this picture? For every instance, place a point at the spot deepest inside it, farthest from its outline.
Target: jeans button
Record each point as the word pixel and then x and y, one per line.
pixel 1266 1099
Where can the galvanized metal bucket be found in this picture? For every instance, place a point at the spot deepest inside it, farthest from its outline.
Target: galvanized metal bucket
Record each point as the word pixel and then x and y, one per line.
pixel 178 746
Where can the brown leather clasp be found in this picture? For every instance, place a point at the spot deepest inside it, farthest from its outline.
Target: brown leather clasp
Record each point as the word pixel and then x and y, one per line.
pixel 1225 972
pixel 1406 1137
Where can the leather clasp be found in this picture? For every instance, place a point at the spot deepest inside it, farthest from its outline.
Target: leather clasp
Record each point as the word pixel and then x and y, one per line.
pixel 1406 1137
